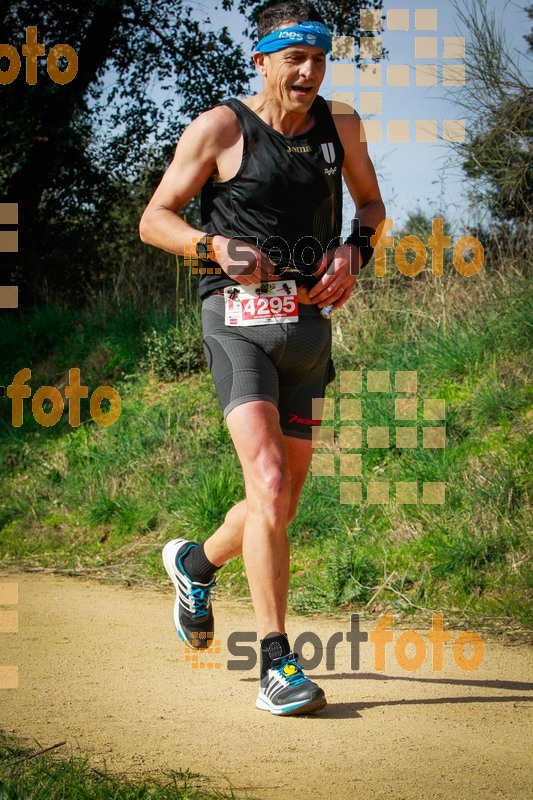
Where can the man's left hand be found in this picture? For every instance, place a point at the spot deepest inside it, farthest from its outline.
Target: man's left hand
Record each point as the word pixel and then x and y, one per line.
pixel 338 270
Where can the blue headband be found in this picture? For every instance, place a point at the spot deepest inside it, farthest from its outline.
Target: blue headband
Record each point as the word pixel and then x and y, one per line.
pixel 313 34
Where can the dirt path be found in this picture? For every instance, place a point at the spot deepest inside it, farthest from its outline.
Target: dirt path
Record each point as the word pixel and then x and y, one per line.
pixel 102 667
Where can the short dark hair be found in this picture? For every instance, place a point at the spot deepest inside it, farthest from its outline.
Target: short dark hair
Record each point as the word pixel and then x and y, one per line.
pixel 272 16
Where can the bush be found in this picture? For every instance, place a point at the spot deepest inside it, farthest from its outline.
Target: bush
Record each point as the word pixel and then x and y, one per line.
pixel 177 350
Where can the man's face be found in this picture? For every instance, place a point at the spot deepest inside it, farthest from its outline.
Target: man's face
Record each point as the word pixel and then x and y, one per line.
pixel 294 75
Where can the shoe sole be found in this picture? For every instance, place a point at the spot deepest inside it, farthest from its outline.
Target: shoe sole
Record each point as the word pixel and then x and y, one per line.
pixel 291 709
pixel 169 562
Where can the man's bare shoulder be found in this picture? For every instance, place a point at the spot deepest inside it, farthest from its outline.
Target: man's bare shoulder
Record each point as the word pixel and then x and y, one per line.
pixel 344 114
pixel 348 123
pixel 217 127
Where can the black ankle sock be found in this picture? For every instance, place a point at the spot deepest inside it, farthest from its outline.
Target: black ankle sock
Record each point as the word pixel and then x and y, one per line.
pixel 198 566
pixel 274 645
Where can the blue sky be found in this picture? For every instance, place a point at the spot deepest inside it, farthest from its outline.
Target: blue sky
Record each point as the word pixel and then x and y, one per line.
pixel 414 174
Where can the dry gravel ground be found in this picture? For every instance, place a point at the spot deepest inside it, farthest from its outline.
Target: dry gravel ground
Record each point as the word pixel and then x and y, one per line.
pixel 101 667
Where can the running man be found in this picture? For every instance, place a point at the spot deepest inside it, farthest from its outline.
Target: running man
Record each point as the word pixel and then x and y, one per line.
pixel 270 169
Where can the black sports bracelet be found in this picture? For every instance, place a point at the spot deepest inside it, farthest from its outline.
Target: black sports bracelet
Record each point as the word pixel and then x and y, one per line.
pixel 361 239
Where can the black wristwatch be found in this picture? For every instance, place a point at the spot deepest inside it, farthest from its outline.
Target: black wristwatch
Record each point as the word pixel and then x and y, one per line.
pixel 361 239
pixel 204 247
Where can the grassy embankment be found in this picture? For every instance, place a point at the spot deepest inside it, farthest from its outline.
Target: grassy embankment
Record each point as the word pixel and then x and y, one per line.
pixel 29 773
pixel 102 501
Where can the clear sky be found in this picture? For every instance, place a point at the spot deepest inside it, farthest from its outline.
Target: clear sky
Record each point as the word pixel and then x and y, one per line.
pixel 412 174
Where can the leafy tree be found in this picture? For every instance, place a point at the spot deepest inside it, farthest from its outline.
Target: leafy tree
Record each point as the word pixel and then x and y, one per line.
pixel 54 161
pixel 78 155
pixel 497 153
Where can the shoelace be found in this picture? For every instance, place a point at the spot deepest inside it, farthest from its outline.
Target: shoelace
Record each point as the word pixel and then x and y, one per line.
pixel 201 600
pixel 298 676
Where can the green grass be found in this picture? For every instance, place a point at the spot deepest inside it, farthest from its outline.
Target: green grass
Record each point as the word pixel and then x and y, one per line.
pixel 25 774
pixel 89 499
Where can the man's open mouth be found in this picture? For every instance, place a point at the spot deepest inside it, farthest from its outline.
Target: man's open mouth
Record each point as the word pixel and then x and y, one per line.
pixel 302 90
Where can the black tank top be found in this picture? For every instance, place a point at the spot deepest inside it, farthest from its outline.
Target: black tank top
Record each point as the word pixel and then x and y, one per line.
pixel 286 197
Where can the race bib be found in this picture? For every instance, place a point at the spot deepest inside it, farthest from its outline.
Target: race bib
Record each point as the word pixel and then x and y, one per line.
pixel 261 303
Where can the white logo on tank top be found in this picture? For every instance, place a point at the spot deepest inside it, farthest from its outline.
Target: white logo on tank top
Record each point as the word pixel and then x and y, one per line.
pixel 328 151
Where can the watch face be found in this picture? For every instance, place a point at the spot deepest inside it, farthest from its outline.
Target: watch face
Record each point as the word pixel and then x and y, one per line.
pixel 202 248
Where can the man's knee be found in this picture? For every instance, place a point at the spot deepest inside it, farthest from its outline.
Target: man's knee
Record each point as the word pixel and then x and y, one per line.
pixel 270 491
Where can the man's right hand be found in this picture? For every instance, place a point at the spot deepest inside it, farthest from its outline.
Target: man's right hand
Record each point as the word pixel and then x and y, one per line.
pixel 243 262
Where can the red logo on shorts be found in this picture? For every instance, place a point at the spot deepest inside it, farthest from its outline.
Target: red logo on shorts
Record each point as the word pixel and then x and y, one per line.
pixel 303 420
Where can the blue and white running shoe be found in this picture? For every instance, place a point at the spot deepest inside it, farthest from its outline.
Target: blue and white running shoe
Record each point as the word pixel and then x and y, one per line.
pixel 285 690
pixel 193 614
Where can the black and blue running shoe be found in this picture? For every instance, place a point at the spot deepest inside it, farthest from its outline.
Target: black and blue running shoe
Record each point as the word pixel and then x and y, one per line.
pixel 193 614
pixel 284 689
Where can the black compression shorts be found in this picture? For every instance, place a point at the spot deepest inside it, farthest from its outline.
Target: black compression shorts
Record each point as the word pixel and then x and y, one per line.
pixel 287 364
